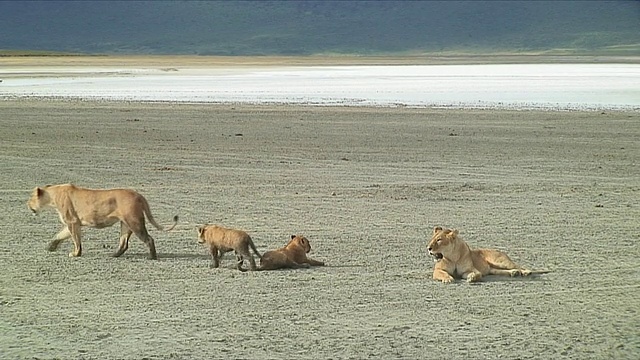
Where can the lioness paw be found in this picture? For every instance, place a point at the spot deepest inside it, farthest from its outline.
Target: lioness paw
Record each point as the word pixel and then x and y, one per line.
pixel 473 277
pixel 515 272
pixel 447 280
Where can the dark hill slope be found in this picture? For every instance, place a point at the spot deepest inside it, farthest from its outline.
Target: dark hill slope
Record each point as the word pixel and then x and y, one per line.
pixel 310 27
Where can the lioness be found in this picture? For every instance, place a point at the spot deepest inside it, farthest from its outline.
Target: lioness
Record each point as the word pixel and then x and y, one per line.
pixel 293 255
pixel 454 258
pixel 79 207
pixel 222 240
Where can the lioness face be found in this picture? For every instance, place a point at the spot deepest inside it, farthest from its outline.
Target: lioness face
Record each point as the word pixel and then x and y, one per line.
pixel 39 199
pixel 441 242
pixel 302 242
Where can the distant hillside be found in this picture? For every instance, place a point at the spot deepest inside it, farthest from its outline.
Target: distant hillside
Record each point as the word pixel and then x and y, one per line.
pixel 314 27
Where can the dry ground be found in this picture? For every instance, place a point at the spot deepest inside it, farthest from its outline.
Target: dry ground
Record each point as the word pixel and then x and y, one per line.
pixel 555 190
pixel 169 62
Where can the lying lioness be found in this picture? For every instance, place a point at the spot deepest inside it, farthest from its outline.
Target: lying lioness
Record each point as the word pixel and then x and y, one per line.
pixel 293 256
pixel 79 207
pixel 221 240
pixel 454 258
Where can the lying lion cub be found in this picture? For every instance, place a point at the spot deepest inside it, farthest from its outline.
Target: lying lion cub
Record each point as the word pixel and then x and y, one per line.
pixel 222 240
pixel 454 258
pixel 293 256
pixel 79 207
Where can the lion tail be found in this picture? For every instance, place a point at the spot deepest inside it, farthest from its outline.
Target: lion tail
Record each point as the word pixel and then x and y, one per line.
pixel 540 272
pixel 253 247
pixel 147 213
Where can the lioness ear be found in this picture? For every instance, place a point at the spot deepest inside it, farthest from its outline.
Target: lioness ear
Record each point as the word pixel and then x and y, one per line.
pixel 454 232
pixel 39 192
pixel 293 237
pixel 437 229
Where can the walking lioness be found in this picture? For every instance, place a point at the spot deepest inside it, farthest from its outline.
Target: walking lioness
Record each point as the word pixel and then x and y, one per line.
pixel 79 207
pixel 454 258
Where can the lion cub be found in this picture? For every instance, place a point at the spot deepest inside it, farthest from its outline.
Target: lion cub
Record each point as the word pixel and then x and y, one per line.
pixel 222 240
pixel 454 258
pixel 293 256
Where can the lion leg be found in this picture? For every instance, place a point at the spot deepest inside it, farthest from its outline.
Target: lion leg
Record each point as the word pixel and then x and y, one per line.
pixel 74 229
pixel 246 253
pixel 525 272
pixel 315 262
pixel 252 263
pixel 60 237
pixel 504 272
pixel 147 239
pixel 501 264
pixel 239 261
pixel 511 272
pixel 472 276
pixel 295 265
pixel 441 275
pixel 125 234
pixel 141 232
pixel 152 248
pixel 215 257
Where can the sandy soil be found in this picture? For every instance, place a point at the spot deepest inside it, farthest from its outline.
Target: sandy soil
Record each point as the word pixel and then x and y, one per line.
pixel 172 63
pixel 555 190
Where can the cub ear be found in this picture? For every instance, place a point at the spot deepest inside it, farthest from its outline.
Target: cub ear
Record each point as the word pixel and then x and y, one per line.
pixel 454 232
pixel 39 192
pixel 293 237
pixel 437 229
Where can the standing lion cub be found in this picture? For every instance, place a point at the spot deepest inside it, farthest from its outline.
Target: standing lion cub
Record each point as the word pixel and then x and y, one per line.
pixel 454 257
pixel 222 240
pixel 79 207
